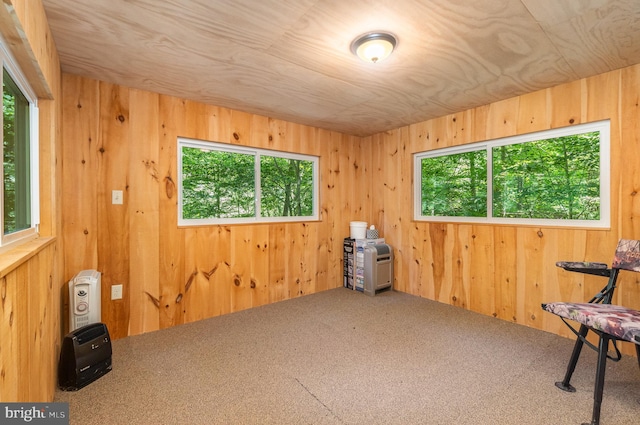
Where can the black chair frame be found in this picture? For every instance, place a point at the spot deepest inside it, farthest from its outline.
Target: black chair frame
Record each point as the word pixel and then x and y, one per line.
pixel 604 296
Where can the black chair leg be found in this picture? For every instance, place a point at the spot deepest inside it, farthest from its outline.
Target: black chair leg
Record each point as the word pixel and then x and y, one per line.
pixel 603 348
pixel 564 385
pixel 638 354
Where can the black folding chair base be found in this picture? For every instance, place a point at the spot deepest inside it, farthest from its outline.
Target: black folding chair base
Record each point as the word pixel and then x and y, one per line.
pixel 566 387
pixel 603 349
pixel 627 257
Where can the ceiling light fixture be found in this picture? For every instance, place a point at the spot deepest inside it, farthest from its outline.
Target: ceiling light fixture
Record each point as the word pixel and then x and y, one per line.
pixel 374 46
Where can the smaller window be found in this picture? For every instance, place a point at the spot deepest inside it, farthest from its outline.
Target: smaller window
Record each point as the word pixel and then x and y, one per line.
pixel 20 213
pixel 225 184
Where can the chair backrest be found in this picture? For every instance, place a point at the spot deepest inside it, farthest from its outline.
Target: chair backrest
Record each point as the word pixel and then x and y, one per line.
pixel 627 255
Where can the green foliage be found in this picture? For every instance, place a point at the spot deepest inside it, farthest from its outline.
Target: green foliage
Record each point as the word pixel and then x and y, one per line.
pixel 220 184
pixel 217 184
pixel 286 186
pixel 455 185
pixel 556 178
pixel 8 114
pixel 16 161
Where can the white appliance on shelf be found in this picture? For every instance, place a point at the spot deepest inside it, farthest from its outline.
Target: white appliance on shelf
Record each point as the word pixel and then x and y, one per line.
pixel 84 299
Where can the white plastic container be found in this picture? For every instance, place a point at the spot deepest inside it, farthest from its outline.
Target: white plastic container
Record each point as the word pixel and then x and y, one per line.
pixel 358 229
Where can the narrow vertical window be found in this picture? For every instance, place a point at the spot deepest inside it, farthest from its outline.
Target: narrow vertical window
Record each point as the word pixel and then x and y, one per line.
pixel 19 150
pixel 16 157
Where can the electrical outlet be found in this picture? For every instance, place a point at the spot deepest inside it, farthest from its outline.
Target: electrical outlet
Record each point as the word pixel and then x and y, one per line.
pixel 116 292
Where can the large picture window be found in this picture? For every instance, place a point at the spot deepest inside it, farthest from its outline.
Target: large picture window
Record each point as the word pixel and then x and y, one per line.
pixel 556 177
pixel 20 214
pixel 224 184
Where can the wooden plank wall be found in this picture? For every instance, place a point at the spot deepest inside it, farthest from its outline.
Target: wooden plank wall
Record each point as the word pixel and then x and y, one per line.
pixel 29 327
pixel 30 275
pixel 507 271
pixel 116 138
pixel 119 138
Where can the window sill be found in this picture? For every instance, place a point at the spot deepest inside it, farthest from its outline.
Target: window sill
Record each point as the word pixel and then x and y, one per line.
pixel 15 257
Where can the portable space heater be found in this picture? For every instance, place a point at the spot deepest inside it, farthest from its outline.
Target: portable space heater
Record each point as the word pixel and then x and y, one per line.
pixel 85 356
pixel 84 299
pixel 378 268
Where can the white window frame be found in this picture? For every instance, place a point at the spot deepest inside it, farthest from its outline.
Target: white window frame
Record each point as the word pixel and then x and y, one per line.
pixel 10 65
pixel 257 153
pixel 604 127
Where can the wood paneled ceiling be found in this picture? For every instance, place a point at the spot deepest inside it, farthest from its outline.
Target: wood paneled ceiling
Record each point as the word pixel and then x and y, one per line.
pixel 290 59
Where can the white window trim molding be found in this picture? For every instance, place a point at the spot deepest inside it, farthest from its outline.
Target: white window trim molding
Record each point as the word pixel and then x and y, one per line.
pixel 9 63
pixel 257 152
pixel 604 127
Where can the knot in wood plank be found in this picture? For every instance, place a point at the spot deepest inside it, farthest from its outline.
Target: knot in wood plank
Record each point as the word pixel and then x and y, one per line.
pixel 153 299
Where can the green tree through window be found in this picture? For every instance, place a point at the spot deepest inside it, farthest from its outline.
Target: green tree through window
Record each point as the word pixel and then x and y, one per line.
pixel 287 187
pixel 16 159
pixel 558 176
pixel 224 183
pixel 217 184
pixel 455 185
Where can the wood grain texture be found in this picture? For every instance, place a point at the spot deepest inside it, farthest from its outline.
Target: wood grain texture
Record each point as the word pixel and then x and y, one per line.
pixel 80 160
pixel 15 341
pixel 292 60
pixel 31 274
pixel 171 262
pixel 629 141
pixel 30 328
pixel 143 192
pixel 23 22
pixel 113 228
pixel 503 271
pixel 176 275
pixel 507 271
pixel 585 32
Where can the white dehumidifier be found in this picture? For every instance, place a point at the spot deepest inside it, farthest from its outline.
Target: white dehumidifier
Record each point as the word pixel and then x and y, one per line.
pixel 84 299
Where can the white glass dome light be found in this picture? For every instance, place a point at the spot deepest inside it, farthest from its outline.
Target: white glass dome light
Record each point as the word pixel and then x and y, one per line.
pixel 374 47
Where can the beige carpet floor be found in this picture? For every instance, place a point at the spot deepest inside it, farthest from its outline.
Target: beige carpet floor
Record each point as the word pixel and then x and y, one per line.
pixel 341 357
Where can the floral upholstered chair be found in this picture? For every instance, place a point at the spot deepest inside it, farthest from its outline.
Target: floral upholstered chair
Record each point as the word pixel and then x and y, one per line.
pixel 610 322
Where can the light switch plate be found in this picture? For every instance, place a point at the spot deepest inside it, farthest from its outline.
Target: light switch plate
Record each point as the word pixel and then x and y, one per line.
pixel 116 197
